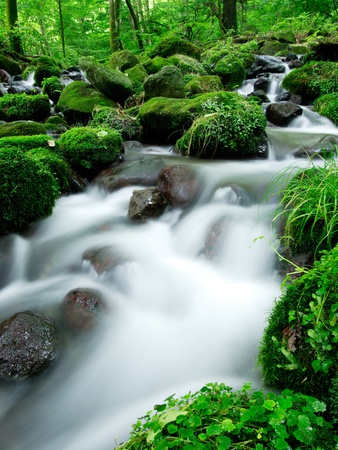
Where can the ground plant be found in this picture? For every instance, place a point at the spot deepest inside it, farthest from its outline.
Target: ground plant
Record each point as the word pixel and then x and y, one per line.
pixel 217 417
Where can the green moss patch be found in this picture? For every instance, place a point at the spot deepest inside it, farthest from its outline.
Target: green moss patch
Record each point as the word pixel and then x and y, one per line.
pixel 24 107
pixel 327 105
pixel 22 128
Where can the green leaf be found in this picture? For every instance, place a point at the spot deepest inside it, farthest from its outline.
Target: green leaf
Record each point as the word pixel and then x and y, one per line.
pixel 170 416
pixel 224 442
pixel 227 425
pixel 284 403
pixel 281 444
pixel 160 407
pixel 202 436
pixel 214 429
pixel 269 404
pixel 172 429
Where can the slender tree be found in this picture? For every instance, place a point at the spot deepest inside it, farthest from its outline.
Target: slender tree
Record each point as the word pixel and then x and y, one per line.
pixel 135 24
pixel 62 30
pixel 226 13
pixel 114 25
pixel 12 20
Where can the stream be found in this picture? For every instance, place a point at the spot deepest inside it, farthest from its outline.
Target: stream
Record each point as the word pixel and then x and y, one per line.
pixel 178 316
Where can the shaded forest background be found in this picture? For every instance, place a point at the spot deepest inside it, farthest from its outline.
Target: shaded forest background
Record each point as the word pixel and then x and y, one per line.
pixel 68 29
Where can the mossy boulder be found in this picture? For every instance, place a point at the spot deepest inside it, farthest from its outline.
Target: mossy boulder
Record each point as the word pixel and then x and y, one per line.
pixel 326 105
pixel 272 48
pixel 231 71
pixel 121 121
pixel 172 44
pixel 89 150
pixel 187 64
pixel 285 36
pixel 55 164
pixel 123 60
pixel 27 191
pixel 45 68
pixel 299 345
pixel 25 143
pixel 299 49
pixel 314 79
pixel 323 51
pixel 21 128
pixel 110 82
pixel 77 101
pixel 9 65
pixel 166 119
pixel 203 84
pixel 168 82
pixel 24 107
pixel 52 87
pixel 137 73
pixel 233 129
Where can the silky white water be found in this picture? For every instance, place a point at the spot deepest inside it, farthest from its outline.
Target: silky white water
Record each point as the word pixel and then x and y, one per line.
pixel 187 304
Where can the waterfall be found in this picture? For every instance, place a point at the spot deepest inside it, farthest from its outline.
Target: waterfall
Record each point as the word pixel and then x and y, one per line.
pixel 186 304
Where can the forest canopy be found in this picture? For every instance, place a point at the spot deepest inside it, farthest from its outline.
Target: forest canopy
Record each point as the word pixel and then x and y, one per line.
pixel 68 29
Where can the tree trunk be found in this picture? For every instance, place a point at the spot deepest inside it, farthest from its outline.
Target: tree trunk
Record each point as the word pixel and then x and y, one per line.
pixel 62 30
pixel 12 20
pixel 229 15
pixel 136 24
pixel 114 25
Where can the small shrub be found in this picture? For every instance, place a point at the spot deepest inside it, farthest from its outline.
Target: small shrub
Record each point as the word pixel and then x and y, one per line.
pixel 89 150
pixel 27 191
pixel 216 417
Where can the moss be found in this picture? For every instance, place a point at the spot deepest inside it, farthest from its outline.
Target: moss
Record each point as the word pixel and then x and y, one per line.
pixel 78 100
pixel 327 105
pixel 45 68
pixel 313 79
pixel 168 82
pixel 223 132
pixel 123 60
pixel 22 128
pixel 172 44
pixel 9 65
pixel 286 353
pixel 24 107
pixel 89 150
pixel 137 73
pixel 25 143
pixel 110 82
pixel 272 48
pixel 121 121
pixel 165 119
pixel 203 84
pixel 55 164
pixel 52 87
pixel 27 191
pixel 231 71
pixel 187 64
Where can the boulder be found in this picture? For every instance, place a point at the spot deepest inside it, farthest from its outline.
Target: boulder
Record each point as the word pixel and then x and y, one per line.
pixel 282 113
pixel 22 128
pixel 231 71
pixel 103 259
pixel 45 68
pixel 24 107
pixel 123 60
pixel 168 82
pixel 146 204
pixel 187 64
pixel 179 185
pixel 78 100
pixel 9 65
pixel 172 44
pixel 80 308
pixel 262 84
pixel 285 36
pixel 29 344
pixel 110 82
pixel 203 84
pixel 288 97
pixel 259 93
pixel 268 63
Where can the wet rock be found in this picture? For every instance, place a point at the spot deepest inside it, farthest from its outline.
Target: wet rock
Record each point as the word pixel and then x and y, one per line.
pixel 28 345
pixel 179 185
pixel 145 204
pixel 296 64
pixel 80 308
pixel 102 259
pixel 282 113
pixel 326 147
pixel 143 171
pixel 269 64
pixel 260 94
pixel 262 84
pixel 287 96
pixel 4 76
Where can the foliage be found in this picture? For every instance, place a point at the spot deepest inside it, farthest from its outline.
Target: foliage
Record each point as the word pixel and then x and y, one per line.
pixel 314 79
pixel 24 107
pixel 327 105
pixel 27 191
pixel 216 417
pixel 112 118
pixel 233 129
pixel 89 150
pixel 299 347
pixel 52 87
pixel 310 209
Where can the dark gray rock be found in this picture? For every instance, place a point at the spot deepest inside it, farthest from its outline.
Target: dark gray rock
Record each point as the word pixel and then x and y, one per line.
pixel 260 94
pixel 28 345
pixel 262 84
pixel 146 204
pixel 282 113
pixel 179 185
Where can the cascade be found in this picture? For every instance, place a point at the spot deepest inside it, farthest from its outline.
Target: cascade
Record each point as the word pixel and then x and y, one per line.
pixel 178 315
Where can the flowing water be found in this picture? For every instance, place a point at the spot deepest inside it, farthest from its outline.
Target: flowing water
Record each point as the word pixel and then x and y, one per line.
pixel 187 304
